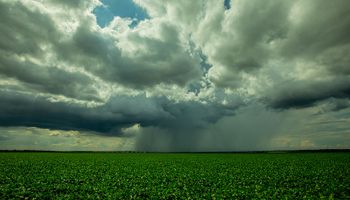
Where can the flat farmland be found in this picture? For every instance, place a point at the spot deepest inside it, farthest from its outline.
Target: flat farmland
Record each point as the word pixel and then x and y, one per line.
pixel 42 175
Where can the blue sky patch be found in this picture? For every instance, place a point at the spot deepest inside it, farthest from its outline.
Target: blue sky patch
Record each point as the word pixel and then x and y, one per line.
pixel 227 4
pixel 122 8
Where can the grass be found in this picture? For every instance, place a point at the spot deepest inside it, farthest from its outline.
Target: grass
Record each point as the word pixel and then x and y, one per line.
pixel 174 176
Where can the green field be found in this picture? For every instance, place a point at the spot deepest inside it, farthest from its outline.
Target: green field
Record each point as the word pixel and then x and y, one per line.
pixel 174 176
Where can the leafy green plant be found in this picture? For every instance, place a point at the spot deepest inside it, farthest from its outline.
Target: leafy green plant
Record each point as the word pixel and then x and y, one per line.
pixel 174 176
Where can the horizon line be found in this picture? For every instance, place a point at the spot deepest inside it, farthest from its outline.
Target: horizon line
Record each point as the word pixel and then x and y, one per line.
pixel 243 151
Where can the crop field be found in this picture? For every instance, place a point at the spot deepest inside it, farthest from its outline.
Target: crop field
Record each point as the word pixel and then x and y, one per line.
pixel 174 176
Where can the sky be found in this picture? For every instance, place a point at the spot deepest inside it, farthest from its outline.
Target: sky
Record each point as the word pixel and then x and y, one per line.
pixel 149 75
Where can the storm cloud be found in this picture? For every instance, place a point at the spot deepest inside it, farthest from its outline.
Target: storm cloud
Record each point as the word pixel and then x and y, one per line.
pixel 306 94
pixel 200 75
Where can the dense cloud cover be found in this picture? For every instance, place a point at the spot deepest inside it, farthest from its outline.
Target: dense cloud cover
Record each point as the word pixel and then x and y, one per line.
pixel 192 76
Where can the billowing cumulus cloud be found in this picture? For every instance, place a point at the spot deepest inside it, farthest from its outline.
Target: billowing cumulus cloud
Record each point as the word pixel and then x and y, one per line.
pixel 200 75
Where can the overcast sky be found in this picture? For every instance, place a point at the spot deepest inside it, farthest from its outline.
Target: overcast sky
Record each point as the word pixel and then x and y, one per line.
pixel 199 75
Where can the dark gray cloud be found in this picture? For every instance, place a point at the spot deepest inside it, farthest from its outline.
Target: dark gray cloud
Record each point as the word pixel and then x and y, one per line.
pixel 301 94
pixel 336 60
pixel 24 31
pixel 35 111
pixel 119 112
pixel 48 79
